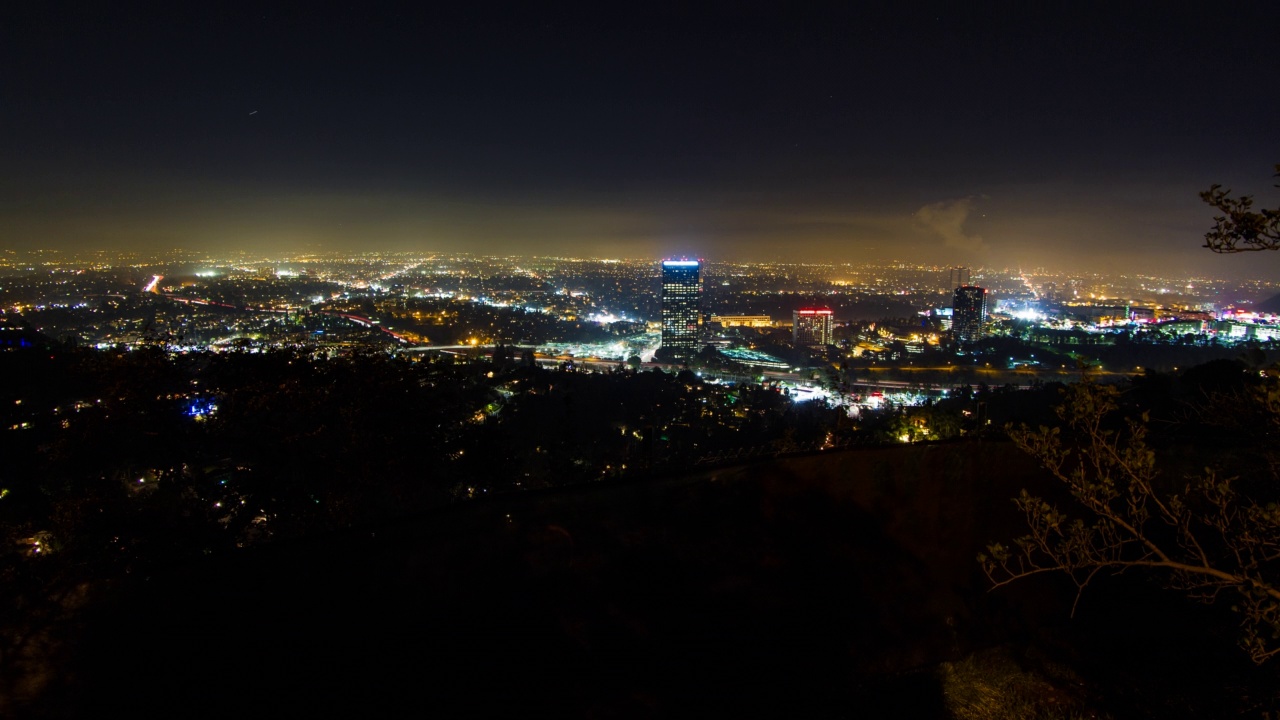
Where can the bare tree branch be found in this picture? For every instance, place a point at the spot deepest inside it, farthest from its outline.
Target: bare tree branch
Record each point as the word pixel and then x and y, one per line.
pixel 1112 474
pixel 1239 228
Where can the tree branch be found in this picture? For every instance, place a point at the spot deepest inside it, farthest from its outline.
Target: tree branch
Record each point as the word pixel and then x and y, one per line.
pixel 1112 466
pixel 1239 228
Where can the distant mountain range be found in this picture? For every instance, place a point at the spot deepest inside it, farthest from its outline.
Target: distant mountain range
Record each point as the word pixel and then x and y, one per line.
pixel 1271 305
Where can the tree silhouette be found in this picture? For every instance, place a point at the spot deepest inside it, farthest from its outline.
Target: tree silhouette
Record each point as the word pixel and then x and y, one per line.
pixel 1240 228
pixel 1208 538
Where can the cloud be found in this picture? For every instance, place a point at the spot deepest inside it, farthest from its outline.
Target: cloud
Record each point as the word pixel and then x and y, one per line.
pixel 947 218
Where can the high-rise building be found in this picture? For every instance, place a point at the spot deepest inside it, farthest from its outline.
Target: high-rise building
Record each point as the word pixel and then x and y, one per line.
pixel 968 313
pixel 680 295
pixel 811 326
pixel 957 277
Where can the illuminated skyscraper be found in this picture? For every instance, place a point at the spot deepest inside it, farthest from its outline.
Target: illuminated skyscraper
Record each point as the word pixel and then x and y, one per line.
pixel 811 326
pixel 680 291
pixel 968 313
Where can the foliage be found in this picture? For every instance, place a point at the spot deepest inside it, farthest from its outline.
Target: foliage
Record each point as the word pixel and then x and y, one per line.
pixel 1240 228
pixel 928 422
pixel 122 461
pixel 1208 538
pixel 990 685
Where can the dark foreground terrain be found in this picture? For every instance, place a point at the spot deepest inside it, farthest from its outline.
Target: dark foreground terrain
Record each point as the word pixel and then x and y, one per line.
pixel 832 585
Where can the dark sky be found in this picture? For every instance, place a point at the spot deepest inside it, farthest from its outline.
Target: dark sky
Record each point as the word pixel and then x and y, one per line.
pixel 999 135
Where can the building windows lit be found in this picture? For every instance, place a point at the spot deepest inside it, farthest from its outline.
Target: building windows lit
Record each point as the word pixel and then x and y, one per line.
pixel 811 326
pixel 680 295
pixel 968 313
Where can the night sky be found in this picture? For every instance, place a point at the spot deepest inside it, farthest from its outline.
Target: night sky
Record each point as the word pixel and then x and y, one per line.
pixel 1009 135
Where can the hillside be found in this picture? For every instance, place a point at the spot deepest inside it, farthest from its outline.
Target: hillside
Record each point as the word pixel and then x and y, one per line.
pixel 798 587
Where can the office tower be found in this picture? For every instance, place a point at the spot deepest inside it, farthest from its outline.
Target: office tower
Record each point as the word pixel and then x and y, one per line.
pixel 811 326
pixel 680 291
pixel 968 313
pixel 957 277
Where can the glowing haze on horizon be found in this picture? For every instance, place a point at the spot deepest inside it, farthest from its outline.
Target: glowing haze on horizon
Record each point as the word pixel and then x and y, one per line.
pixel 1075 138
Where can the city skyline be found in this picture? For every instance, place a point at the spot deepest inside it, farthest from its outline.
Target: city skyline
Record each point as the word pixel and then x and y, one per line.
pixel 1074 138
pixel 185 422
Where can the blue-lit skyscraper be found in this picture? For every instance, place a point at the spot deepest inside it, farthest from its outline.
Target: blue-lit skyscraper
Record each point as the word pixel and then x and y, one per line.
pixel 680 295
